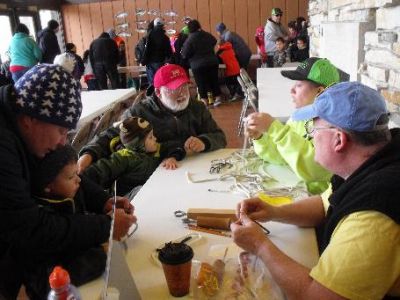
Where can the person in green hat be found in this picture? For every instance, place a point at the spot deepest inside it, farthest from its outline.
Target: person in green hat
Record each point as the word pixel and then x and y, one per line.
pixel 273 29
pixel 287 144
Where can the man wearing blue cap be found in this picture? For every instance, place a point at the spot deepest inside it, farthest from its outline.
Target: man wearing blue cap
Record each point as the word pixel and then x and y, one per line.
pixel 359 225
pixel 35 117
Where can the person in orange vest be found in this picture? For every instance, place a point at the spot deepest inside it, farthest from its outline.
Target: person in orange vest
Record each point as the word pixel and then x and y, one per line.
pixel 122 54
pixel 227 56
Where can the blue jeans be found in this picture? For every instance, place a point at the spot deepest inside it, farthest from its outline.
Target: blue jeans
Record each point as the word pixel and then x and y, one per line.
pixel 17 75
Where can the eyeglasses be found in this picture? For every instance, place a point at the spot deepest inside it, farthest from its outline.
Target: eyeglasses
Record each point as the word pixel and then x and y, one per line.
pixel 311 129
pixel 178 91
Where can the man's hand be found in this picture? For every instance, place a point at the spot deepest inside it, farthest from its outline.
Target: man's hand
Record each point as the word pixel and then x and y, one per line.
pixel 247 234
pixel 83 162
pixel 257 124
pixel 170 163
pixel 255 209
pixel 121 202
pixel 122 223
pixel 194 144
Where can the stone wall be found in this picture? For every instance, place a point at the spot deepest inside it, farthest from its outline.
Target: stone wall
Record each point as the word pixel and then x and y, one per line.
pixel 379 60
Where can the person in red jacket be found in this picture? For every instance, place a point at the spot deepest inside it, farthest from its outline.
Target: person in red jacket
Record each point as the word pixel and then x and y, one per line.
pixel 260 41
pixel 227 56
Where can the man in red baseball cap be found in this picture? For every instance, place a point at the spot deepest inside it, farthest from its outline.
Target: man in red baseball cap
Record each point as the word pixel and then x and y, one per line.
pixel 177 120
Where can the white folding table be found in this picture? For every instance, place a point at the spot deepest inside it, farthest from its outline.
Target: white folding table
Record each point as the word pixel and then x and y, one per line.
pixel 169 190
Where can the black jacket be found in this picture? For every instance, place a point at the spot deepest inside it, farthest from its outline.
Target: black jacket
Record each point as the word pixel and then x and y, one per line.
pixel 177 57
pixel 373 186
pixel 24 226
pixel 171 129
pixel 104 50
pixel 48 43
pixel 158 47
pixel 300 55
pixel 198 49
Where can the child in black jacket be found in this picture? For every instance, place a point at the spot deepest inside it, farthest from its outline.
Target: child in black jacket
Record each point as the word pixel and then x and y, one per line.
pixel 60 190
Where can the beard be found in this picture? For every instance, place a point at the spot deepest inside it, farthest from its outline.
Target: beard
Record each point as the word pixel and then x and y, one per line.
pixel 176 105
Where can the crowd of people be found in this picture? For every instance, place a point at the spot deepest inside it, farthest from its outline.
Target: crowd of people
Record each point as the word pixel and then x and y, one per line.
pixel 56 203
pixel 195 49
pixel 98 66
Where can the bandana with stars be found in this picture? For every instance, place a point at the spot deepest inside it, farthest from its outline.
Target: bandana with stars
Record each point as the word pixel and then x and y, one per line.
pixel 50 94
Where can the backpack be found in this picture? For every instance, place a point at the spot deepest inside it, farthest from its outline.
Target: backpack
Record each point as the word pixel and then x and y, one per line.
pixel 141 51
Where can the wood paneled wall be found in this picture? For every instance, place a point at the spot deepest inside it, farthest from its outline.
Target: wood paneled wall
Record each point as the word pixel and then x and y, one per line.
pixel 85 22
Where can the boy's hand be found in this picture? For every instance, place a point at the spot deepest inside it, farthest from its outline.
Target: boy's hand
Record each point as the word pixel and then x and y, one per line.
pixel 122 223
pixel 170 163
pixel 121 202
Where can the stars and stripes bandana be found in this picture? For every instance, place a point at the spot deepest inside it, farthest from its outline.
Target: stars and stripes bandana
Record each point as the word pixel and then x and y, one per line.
pixel 49 93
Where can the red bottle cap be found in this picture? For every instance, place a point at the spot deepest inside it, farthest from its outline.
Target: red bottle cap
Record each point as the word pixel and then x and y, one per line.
pixel 58 278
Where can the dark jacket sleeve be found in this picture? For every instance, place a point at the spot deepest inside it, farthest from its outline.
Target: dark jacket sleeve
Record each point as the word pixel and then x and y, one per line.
pixel 99 146
pixel 94 195
pixel 115 51
pixel 91 56
pixel 172 150
pixel 130 168
pixel 25 226
pixel 106 170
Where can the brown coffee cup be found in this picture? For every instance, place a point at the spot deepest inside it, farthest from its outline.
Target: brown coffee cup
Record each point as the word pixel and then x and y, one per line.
pixel 176 259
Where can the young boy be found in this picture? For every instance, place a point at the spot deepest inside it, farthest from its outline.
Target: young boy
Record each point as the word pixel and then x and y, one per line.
pixel 136 154
pixel 227 56
pixel 302 52
pixel 280 53
pixel 57 188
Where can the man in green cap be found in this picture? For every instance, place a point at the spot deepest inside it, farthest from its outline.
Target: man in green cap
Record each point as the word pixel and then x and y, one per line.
pixel 286 144
pixel 272 30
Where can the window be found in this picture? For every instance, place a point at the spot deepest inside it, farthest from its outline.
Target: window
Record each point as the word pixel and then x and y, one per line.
pixel 29 22
pixel 5 36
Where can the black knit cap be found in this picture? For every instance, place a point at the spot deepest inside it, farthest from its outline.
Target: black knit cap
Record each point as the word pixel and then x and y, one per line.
pixel 50 166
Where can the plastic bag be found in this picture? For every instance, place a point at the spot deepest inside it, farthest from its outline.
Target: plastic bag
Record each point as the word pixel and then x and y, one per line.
pixel 242 277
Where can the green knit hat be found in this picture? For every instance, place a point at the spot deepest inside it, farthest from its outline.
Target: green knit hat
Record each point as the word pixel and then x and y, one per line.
pixel 318 70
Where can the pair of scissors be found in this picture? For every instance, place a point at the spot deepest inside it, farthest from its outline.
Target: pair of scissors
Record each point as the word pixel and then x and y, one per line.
pixel 181 214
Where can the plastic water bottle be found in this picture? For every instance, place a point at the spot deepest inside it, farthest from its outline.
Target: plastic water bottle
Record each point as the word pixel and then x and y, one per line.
pixel 61 287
